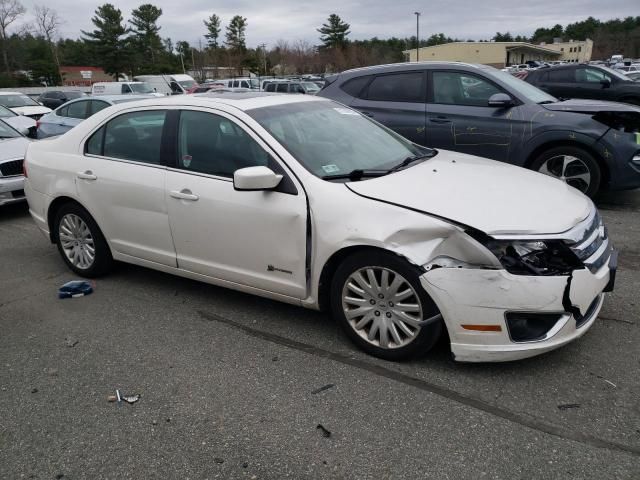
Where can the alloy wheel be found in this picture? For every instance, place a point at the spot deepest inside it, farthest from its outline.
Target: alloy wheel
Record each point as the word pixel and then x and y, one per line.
pixel 569 169
pixel 382 307
pixel 76 241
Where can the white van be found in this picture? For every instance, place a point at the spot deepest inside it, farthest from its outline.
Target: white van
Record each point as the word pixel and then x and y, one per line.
pixel 174 84
pixel 244 82
pixel 121 88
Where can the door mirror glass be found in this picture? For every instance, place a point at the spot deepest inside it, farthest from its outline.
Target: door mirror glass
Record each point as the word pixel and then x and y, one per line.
pixel 605 82
pixel 255 178
pixel 500 100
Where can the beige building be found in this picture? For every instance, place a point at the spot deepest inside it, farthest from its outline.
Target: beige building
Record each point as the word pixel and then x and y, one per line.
pixel 573 51
pixel 496 54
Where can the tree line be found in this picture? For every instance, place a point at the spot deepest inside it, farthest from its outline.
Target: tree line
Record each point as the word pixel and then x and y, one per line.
pixel 34 53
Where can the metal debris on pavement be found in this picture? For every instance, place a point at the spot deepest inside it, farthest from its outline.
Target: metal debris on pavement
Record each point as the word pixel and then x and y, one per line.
pixel 567 406
pixel 75 288
pixel 325 433
pixel 322 389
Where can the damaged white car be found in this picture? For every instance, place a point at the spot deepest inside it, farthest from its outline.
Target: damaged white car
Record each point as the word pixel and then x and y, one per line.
pixel 303 200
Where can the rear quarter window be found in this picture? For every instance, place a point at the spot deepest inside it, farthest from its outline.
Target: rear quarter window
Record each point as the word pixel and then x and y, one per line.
pixel 355 86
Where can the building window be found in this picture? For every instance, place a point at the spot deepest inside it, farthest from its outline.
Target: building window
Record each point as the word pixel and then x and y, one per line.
pixel 562 49
pixel 579 49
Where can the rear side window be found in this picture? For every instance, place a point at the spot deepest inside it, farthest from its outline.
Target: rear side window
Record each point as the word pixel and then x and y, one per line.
pixel 77 110
pixel 562 75
pixel 397 87
pixel 133 136
pixel 96 106
pixel 355 86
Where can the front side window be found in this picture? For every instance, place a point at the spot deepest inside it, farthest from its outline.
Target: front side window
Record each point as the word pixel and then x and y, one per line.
pixel 77 110
pixel 591 75
pixel 457 88
pixel 561 75
pixel 295 88
pixel 397 87
pixel 282 87
pixel 133 136
pixel 126 88
pixel 211 144
pixel 140 88
pixel 271 87
pixel 330 139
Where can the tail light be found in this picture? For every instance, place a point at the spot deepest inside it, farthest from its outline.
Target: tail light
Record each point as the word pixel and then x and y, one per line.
pixel 37 124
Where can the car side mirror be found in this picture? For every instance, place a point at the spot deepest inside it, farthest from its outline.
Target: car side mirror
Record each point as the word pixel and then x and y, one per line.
pixel 255 178
pixel 500 100
pixel 605 82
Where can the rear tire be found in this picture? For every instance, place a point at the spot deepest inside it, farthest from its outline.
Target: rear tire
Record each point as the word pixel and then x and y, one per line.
pixel 80 242
pixel 378 300
pixel 573 165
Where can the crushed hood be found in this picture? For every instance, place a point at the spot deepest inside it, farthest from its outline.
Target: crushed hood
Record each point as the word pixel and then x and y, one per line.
pixel 491 196
pixel 577 105
pixel 31 110
pixel 13 148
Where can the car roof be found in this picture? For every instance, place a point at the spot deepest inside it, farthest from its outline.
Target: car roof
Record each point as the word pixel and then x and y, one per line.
pixel 413 65
pixel 241 100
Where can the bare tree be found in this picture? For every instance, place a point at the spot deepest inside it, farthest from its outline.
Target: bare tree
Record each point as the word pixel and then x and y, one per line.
pixel 10 10
pixel 47 23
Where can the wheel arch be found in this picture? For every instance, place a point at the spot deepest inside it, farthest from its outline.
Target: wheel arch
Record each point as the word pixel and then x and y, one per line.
pixel 55 205
pixel 332 264
pixel 536 152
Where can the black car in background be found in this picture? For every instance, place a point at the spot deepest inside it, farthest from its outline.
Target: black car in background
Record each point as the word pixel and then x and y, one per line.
pixel 54 98
pixel 479 110
pixel 596 82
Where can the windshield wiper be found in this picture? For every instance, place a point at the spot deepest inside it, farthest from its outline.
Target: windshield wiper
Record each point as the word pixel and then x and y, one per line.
pixel 409 160
pixel 357 174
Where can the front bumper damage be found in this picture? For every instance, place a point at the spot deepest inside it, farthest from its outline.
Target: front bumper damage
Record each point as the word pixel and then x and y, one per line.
pixel 485 297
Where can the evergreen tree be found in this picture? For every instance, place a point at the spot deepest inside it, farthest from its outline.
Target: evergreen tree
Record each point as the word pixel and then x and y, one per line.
pixel 235 36
pixel 213 31
pixel 503 37
pixel 145 28
pixel 334 32
pixel 108 39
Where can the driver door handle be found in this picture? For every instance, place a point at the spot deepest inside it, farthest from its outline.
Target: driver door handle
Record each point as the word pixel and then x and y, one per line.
pixel 86 175
pixel 440 119
pixel 184 194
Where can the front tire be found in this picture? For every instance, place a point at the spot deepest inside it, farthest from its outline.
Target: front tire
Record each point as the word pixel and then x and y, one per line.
pixel 80 242
pixel 377 299
pixel 572 165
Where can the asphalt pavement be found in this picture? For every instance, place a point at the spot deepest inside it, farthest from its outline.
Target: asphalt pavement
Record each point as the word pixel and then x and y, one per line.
pixel 235 386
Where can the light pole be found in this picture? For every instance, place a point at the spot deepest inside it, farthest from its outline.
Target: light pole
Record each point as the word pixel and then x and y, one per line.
pixel 417 36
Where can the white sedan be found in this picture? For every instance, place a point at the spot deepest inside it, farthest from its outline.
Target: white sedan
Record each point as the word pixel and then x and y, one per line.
pixel 300 199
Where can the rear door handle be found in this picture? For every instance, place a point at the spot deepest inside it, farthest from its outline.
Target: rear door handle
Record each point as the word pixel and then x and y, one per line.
pixel 86 175
pixel 440 120
pixel 184 194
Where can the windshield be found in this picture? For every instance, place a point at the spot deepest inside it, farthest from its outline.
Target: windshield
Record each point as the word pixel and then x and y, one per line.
pixel 5 112
pixel 7 132
pixel 187 84
pixel 310 86
pixel 531 93
pixel 329 139
pixel 13 101
pixel 141 87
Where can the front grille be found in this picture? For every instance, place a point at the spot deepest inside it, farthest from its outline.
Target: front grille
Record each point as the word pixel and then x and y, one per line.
pixel 589 313
pixel 593 249
pixel 11 168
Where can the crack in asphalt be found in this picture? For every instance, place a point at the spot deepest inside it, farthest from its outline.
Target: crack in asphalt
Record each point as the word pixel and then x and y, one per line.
pixel 476 403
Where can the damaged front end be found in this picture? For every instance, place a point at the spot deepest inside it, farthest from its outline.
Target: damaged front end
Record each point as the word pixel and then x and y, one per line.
pixel 546 293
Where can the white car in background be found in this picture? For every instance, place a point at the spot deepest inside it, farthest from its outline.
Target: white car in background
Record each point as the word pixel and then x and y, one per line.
pixel 302 200
pixel 13 145
pixel 25 125
pixel 23 104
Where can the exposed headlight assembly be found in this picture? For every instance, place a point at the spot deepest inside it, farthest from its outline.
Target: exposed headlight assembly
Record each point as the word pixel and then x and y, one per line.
pixel 522 257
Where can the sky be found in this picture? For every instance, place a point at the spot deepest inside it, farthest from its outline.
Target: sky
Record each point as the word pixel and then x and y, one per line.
pixel 291 20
